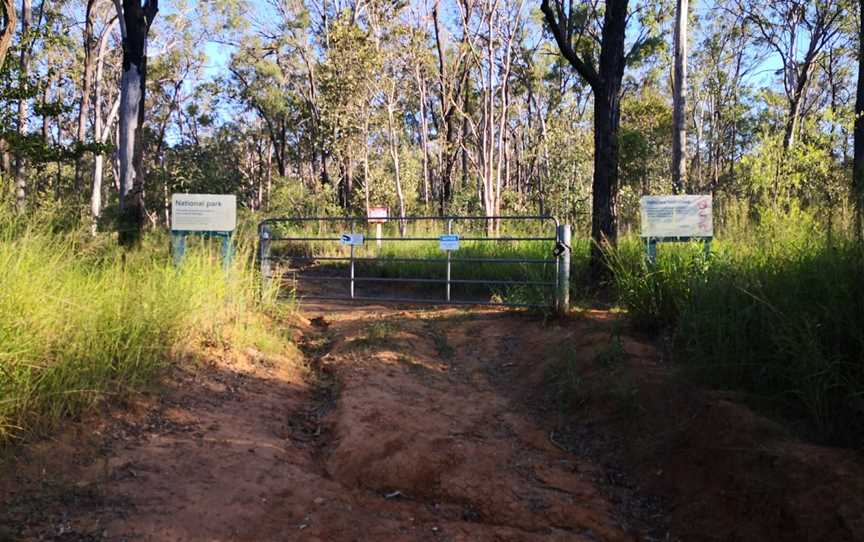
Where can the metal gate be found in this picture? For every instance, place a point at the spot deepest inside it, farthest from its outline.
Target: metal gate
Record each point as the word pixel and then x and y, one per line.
pixel 513 261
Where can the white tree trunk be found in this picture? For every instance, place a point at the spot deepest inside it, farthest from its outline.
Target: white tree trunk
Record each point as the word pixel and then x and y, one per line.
pixel 424 133
pixel 20 179
pixel 394 154
pixel 366 160
pixel 130 101
pixel 101 129
pixel 679 99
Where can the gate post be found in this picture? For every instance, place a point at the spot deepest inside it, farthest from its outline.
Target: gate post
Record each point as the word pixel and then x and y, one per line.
pixel 449 231
pixel 562 295
pixel 264 256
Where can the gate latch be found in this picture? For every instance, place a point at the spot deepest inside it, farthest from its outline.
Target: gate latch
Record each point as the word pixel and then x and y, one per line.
pixel 559 249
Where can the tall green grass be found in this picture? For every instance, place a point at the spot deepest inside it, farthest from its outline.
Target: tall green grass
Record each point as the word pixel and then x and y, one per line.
pixel 80 320
pixel 778 316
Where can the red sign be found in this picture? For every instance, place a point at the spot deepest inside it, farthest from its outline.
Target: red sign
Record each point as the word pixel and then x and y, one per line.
pixel 378 215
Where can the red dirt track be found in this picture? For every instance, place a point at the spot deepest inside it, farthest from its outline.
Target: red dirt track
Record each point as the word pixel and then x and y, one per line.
pixel 429 425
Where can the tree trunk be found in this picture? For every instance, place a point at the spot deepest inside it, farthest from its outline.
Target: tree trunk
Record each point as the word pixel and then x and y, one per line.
pixel 115 158
pixel 605 81
pixel 269 174
pixel 424 135
pixel 607 117
pixel 20 180
pixel 84 109
pixel 279 147
pixel 792 120
pixel 448 151
pixel 464 137
pixel 491 173
pixel 698 122
pixel 366 159
pixel 135 25
pixel 46 118
pixel 858 157
pixel 101 129
pixel 347 180
pixel 800 80
pixel 604 224
pixel 10 20
pixel 394 154
pixel 679 99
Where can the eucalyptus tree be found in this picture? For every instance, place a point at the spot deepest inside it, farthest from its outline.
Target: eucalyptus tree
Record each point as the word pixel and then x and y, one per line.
pixel 392 41
pixel 722 105
pixel 453 80
pixel 135 22
pixel 422 62
pixel 798 32
pixel 89 46
pixel 23 90
pixel 346 92
pixel 491 36
pixel 593 40
pixel 274 73
pixel 102 123
pixel 679 98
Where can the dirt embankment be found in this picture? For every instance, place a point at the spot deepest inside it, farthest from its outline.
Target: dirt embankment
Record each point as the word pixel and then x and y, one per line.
pixel 433 425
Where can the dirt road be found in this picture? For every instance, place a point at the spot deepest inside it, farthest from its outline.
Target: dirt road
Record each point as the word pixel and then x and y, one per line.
pixel 430 425
pixel 402 430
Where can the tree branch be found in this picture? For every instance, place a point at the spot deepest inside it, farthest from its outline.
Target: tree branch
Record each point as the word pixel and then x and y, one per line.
pixel 561 29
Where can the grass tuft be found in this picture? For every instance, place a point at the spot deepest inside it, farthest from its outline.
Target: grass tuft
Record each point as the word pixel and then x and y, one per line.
pixel 81 321
pixel 777 317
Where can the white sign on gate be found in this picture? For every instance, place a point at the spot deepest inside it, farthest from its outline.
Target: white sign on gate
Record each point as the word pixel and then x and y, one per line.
pixel 677 216
pixel 351 239
pixel 378 215
pixel 203 212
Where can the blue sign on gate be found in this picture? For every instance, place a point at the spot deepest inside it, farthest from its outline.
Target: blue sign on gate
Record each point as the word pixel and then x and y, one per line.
pixel 449 242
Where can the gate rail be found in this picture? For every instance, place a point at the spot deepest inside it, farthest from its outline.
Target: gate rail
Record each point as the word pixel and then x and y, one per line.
pixel 560 258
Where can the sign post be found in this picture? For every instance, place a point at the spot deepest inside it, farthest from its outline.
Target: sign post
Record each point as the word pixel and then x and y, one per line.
pixel 207 215
pixel 352 240
pixel 673 219
pixel 378 216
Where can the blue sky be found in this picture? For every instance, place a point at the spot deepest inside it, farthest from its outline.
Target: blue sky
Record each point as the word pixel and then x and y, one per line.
pixel 218 54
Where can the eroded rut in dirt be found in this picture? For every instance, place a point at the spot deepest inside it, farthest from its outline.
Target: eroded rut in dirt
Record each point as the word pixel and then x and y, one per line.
pixel 418 423
pixel 432 425
pixel 400 430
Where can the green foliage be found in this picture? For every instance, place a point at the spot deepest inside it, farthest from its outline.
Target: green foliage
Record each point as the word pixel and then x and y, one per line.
pixel 292 198
pixel 654 294
pixel 777 316
pixel 352 65
pixel 645 139
pixel 378 333
pixel 79 320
